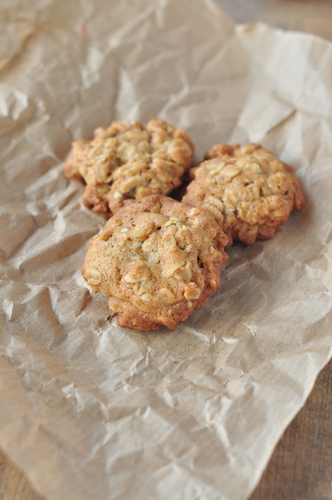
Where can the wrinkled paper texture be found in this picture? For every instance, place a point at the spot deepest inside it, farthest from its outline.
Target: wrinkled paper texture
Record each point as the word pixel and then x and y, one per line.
pixel 93 411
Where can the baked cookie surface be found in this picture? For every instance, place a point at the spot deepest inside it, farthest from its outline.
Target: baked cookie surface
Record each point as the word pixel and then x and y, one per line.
pixel 249 191
pixel 129 161
pixel 157 260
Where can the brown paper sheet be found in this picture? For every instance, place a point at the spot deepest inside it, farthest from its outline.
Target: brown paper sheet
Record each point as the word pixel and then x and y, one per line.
pixel 92 411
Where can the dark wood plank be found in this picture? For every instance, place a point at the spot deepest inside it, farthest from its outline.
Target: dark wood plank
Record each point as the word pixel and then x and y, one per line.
pixel 301 465
pixel 310 16
pixel 13 482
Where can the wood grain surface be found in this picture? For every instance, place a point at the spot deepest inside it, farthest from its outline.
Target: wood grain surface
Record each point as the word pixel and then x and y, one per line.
pixel 311 16
pixel 301 465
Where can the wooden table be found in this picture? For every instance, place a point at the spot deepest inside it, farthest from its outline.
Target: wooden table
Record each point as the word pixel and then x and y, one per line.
pixel 301 465
pixel 311 16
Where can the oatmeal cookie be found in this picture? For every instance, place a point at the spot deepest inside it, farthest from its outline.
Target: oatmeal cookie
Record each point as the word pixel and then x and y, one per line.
pixel 249 191
pixel 129 161
pixel 157 260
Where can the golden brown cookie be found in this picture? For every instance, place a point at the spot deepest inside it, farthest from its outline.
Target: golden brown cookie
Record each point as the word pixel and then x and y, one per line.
pixel 157 260
pixel 129 161
pixel 249 191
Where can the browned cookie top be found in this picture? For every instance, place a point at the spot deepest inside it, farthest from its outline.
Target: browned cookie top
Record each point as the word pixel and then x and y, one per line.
pixel 157 260
pixel 130 160
pixel 249 191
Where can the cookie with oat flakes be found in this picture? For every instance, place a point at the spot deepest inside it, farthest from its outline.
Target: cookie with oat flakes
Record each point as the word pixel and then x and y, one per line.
pixel 157 260
pixel 129 161
pixel 249 191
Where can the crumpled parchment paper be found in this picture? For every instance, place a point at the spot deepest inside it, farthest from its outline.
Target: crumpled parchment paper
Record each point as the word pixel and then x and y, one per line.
pixel 92 411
